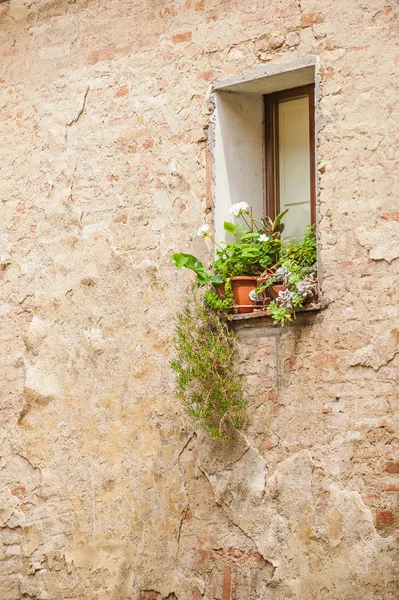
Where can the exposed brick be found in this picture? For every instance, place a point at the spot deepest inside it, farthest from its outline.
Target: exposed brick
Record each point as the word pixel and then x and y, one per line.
pixel 99 55
pixel 149 595
pixel 196 594
pixel 122 91
pixel 148 144
pixel 390 487
pixel 311 19
pixel 384 517
pixel 206 76
pixel 392 467
pixel 179 38
pixel 226 592
pixel 394 216
pixel 19 491
pixel 120 217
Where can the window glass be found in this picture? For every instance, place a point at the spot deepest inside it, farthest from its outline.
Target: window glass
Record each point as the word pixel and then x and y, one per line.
pixel 293 177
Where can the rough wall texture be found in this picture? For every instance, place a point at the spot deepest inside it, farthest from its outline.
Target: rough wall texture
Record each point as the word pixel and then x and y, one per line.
pixel 106 493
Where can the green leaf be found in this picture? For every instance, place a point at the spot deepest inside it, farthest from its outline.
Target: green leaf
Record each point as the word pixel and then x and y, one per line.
pixel 251 234
pixel 230 228
pixel 278 219
pixel 191 262
pixel 202 276
pixel 179 259
pixel 216 280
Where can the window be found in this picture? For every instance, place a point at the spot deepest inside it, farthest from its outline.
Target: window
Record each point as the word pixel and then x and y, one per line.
pixel 262 142
pixel 290 158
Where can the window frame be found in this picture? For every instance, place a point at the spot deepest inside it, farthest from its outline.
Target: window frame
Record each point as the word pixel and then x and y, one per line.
pixel 271 102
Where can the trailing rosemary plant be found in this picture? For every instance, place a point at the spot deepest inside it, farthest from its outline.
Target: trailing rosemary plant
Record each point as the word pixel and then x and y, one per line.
pixel 207 383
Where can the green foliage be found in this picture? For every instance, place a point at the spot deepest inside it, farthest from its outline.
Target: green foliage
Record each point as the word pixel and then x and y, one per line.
pixel 259 250
pixel 247 258
pixel 237 230
pixel 304 252
pixel 276 227
pixel 212 299
pixel 207 383
pixel 189 261
pixel 280 314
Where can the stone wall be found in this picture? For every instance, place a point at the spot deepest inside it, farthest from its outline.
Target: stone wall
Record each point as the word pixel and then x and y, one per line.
pixel 106 492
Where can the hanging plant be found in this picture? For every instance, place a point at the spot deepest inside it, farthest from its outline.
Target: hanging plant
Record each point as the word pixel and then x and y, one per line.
pixel 207 382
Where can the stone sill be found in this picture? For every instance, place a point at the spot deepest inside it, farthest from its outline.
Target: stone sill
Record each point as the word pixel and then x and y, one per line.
pixel 257 314
pixel 305 316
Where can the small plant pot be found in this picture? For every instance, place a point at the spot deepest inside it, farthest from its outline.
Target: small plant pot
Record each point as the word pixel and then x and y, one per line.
pixel 275 289
pixel 242 286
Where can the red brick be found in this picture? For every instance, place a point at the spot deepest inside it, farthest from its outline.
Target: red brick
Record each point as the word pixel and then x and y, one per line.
pixel 390 487
pixel 196 594
pixel 226 584
pixel 272 397
pixel 104 54
pixel 205 76
pixel 392 467
pixel 18 491
pixel 212 15
pixel 148 144
pixel 311 19
pixel 384 517
pixel 182 37
pixel 123 91
pixel 289 365
pixel 391 216
pixel 188 515
pixel 167 11
pixel 120 217
pixel 148 595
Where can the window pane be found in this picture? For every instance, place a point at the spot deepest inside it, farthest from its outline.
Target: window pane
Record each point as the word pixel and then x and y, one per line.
pixel 294 165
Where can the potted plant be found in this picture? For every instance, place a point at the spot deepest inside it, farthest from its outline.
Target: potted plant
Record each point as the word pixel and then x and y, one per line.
pixel 238 264
pixel 258 270
pixel 294 281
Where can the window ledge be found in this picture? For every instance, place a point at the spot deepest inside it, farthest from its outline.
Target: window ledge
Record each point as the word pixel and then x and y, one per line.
pixel 265 319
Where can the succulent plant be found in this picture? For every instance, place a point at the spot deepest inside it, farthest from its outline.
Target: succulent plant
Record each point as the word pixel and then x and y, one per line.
pixel 305 289
pixel 284 298
pixel 281 275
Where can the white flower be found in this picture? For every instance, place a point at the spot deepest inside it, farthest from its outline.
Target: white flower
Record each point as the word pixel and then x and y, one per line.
pixel 239 208
pixel 263 237
pixel 203 230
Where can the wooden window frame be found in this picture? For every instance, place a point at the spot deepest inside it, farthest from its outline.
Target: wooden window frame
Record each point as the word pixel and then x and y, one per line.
pixel 271 147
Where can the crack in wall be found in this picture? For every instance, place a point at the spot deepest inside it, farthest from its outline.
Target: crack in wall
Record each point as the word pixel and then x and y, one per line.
pixel 81 111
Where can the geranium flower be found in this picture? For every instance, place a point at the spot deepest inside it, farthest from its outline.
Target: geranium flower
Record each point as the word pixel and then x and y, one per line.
pixel 203 230
pixel 239 208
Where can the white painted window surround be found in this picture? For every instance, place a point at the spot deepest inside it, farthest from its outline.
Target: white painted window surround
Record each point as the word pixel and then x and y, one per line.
pixel 238 134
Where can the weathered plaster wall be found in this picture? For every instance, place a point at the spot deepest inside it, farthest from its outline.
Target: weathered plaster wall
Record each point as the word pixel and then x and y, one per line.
pixel 106 493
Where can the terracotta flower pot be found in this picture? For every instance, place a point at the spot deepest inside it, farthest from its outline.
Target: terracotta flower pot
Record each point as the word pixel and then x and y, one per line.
pixel 275 289
pixel 242 286
pixel 221 292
